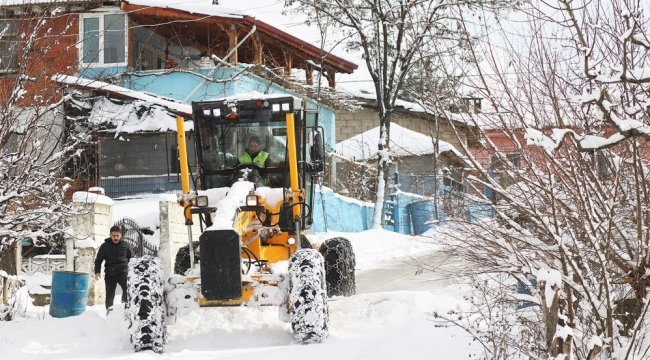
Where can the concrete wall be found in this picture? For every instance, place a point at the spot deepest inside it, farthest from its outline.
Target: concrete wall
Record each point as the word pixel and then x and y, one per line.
pixel 173 233
pixel 94 224
pixel 340 213
pixel 412 214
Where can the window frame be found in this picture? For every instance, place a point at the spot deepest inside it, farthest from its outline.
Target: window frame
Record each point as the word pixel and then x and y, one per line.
pixel 101 34
pixel 514 159
pixel 11 37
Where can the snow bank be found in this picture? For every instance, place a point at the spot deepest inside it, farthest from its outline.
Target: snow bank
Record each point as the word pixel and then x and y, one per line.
pixel 91 198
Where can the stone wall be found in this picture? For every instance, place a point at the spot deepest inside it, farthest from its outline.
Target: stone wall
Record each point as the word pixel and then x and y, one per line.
pixel 95 223
pixel 9 302
pixel 90 230
pixel 10 264
pixel 10 259
pixel 173 233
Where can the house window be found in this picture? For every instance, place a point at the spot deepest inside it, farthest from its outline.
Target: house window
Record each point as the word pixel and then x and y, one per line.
pixel 8 47
pixel 603 166
pixel 513 160
pixel 103 39
pixel 12 145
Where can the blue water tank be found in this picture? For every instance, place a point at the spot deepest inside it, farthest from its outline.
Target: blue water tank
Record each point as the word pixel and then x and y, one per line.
pixel 69 293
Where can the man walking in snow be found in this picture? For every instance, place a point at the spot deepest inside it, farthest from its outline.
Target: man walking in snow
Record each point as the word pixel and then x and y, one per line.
pixel 116 253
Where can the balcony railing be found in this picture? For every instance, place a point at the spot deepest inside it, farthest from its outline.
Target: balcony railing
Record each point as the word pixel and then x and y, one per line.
pixel 45 264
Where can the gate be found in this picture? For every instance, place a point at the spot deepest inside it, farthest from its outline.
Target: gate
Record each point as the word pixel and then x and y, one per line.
pixel 132 234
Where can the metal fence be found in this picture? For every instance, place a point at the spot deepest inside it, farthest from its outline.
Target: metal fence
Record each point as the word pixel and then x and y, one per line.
pixel 133 234
pixel 354 179
pixel 132 164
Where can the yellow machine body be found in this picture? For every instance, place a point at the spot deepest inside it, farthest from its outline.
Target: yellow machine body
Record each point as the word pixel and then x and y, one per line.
pixel 241 262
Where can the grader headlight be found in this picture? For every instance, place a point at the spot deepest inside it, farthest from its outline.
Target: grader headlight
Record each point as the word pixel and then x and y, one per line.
pixel 251 200
pixel 202 201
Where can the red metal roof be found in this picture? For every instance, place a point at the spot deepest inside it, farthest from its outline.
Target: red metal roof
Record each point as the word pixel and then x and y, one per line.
pixel 303 48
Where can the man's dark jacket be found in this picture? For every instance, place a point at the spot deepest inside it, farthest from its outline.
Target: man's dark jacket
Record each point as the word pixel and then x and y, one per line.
pixel 116 256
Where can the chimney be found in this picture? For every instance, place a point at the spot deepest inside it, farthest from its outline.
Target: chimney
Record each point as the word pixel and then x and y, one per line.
pixel 215 2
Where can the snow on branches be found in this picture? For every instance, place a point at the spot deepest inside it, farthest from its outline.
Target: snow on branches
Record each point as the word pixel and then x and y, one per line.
pixel 563 157
pixel 39 147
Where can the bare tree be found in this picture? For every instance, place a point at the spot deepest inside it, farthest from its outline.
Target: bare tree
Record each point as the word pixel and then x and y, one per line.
pixel 564 161
pixel 390 35
pixel 37 144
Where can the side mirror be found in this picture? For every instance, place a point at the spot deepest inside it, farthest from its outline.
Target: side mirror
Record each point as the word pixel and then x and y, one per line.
pixel 317 152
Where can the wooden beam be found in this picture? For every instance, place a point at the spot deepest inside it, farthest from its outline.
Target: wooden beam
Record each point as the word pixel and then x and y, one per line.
pixel 233 39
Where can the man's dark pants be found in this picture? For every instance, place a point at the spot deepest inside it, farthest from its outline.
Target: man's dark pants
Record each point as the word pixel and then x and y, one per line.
pixel 111 282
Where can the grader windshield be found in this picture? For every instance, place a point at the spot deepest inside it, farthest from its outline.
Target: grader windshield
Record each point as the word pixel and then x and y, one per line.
pixel 251 133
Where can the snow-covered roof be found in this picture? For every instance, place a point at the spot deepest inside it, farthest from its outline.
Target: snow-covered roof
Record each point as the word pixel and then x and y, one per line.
pixel 406 105
pixel 403 142
pixel 129 118
pixel 88 84
pixel 41 2
pixel 203 7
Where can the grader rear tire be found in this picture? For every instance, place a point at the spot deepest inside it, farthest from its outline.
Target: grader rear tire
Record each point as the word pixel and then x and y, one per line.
pixel 182 261
pixel 339 267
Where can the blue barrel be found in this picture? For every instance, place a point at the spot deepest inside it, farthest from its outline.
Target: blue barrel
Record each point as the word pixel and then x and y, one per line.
pixel 69 293
pixel 423 216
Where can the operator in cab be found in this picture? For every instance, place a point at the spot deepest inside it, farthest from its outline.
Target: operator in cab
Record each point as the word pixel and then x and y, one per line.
pixel 253 154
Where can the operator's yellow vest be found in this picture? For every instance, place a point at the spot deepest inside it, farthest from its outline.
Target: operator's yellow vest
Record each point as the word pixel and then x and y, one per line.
pixel 259 160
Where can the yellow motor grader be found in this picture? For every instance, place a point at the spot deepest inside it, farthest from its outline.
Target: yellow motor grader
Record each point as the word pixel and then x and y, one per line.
pixel 255 209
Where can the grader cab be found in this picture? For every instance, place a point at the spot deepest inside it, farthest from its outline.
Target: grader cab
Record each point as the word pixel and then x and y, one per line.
pixel 257 161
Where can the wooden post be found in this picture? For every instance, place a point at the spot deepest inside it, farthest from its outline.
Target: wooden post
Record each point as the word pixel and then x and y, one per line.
pixel 258 48
pixel 288 62
pixel 309 74
pixel 329 75
pixel 233 38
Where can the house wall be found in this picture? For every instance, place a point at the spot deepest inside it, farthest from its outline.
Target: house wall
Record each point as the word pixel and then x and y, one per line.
pixel 188 87
pixel 351 123
pixel 54 52
pixel 501 141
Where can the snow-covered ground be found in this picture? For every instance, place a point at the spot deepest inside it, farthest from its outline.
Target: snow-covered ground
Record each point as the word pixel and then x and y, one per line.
pixel 387 324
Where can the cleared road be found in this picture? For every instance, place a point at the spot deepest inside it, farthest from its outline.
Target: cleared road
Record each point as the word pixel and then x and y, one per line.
pixel 405 274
